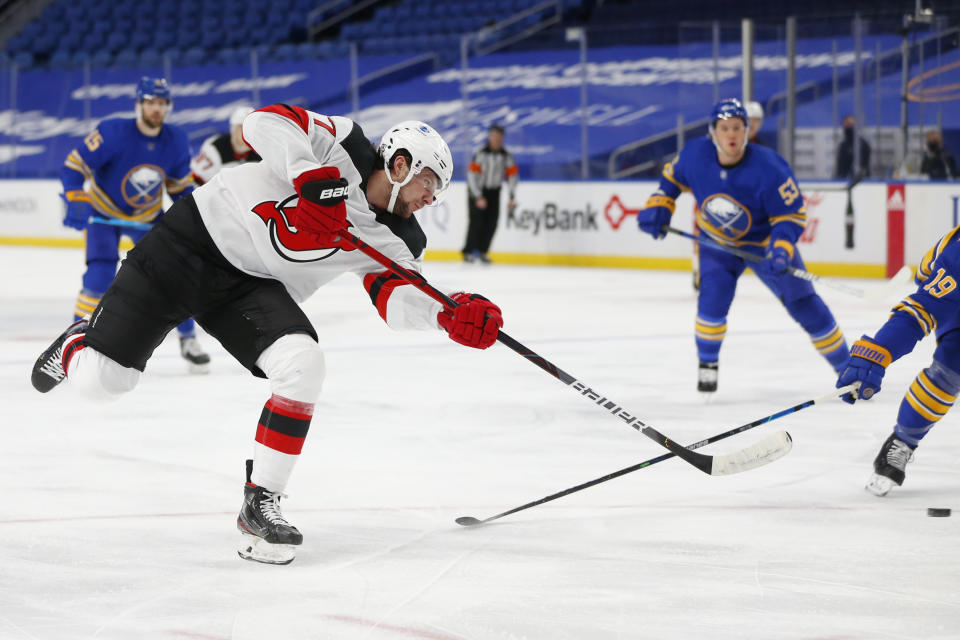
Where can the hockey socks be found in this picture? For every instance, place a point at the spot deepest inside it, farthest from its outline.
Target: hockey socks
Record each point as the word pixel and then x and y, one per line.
pixel 281 432
pixel 832 346
pixel 929 398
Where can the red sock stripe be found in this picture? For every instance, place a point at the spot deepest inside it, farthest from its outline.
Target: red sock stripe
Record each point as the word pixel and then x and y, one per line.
pixel 71 349
pixel 279 441
pixel 290 408
pixel 284 424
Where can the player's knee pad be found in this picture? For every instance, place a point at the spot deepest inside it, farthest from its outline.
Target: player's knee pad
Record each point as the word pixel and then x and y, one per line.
pixel 99 274
pixel 99 378
pixel 811 313
pixel 295 366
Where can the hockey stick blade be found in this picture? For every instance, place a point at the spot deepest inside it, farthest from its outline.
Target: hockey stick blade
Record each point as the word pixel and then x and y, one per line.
pixel 895 286
pixel 771 448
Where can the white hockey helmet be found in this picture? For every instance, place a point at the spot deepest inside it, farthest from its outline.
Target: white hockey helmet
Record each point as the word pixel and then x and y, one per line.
pixel 238 114
pixel 427 150
pixel 754 109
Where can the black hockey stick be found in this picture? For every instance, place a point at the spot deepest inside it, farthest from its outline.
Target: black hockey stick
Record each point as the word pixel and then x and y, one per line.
pixel 761 453
pixel 877 294
pixel 470 521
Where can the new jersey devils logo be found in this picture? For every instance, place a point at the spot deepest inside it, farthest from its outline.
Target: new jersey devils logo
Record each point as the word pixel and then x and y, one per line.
pixel 286 240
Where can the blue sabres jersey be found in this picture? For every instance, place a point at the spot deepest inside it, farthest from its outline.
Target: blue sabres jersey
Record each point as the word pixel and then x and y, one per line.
pixel 740 204
pixel 127 170
pixel 934 307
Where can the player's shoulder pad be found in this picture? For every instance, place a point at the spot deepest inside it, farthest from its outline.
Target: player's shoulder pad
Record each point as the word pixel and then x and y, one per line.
pixel 116 126
pixel 949 257
pixel 407 229
pixel 177 134
pixel 768 156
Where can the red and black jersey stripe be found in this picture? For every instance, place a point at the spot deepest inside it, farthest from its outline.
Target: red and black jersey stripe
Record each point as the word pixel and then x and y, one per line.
pixel 380 286
pixel 284 424
pixel 296 114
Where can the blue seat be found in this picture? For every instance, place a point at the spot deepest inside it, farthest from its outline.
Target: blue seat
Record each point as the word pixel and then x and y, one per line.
pixel 187 38
pixel 80 58
pixel 75 12
pixel 70 40
pixel 24 59
pixel 125 58
pixel 193 57
pixel 226 55
pixel 60 60
pixel 164 39
pixel 101 58
pixel 283 53
pixel 149 58
pixel 43 45
pixel 116 42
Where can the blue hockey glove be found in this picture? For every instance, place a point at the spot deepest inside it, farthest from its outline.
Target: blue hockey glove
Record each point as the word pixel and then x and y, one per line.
pixel 867 364
pixel 780 256
pixel 79 210
pixel 656 214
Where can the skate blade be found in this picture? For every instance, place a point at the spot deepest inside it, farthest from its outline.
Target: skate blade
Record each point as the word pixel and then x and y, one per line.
pixel 259 550
pixel 198 369
pixel 879 485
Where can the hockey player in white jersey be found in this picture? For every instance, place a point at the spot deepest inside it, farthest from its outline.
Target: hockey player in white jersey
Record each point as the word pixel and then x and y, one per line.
pixel 240 253
pixel 223 150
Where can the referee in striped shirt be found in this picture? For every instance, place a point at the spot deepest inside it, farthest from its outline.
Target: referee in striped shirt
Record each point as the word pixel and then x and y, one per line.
pixel 491 166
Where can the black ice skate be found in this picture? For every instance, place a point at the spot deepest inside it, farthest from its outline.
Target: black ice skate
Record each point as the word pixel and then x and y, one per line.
pixel 197 359
pixel 48 369
pixel 890 466
pixel 267 536
pixel 707 377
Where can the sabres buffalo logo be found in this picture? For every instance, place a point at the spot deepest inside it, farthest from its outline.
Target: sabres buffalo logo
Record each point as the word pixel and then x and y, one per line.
pixel 723 217
pixel 287 241
pixel 141 185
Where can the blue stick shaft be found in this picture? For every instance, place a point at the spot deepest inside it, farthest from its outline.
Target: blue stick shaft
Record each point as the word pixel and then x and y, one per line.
pixel 469 521
pixel 117 222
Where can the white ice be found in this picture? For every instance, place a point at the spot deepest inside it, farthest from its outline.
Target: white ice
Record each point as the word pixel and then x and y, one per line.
pixel 119 521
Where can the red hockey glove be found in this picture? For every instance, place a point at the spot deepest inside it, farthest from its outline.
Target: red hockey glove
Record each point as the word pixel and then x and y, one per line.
pixel 320 209
pixel 475 322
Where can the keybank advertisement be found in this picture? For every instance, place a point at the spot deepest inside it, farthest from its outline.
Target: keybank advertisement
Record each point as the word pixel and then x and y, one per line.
pixel 595 223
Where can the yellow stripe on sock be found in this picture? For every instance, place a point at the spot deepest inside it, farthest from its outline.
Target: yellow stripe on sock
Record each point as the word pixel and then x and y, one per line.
pixel 928 385
pixel 919 407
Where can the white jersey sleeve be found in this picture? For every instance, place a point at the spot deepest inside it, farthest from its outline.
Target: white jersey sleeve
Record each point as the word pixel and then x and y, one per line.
pixel 248 211
pixel 207 163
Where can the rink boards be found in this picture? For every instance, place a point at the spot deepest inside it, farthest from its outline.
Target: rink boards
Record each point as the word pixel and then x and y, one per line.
pixel 594 224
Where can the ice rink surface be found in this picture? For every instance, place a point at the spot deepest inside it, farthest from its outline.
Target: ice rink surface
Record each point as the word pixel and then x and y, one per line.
pixel 119 521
